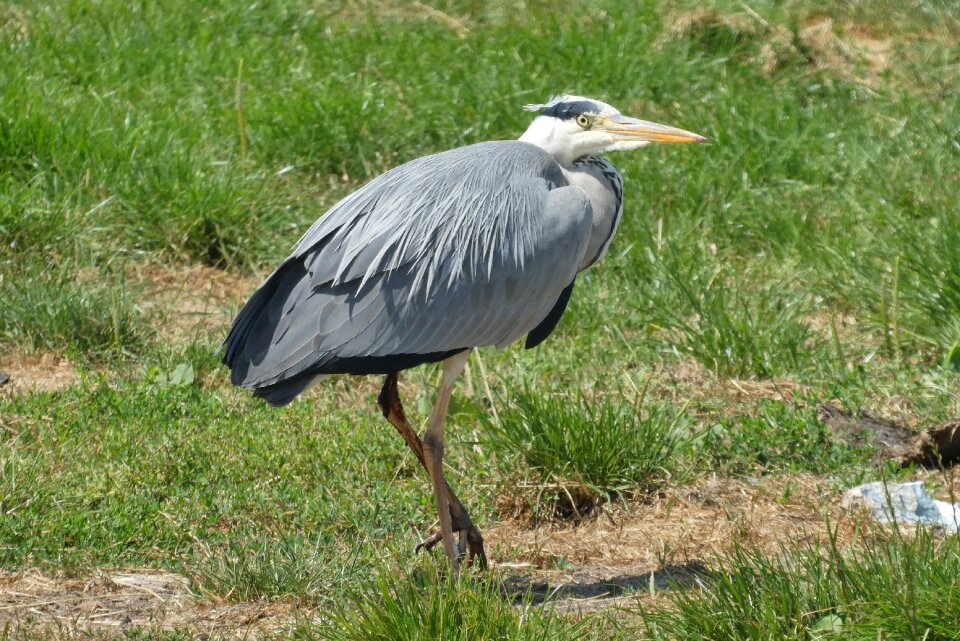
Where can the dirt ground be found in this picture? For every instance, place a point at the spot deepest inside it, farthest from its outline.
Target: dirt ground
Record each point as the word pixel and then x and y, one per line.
pixel 37 372
pixel 641 550
pixel 184 301
pixel 622 554
pixel 114 603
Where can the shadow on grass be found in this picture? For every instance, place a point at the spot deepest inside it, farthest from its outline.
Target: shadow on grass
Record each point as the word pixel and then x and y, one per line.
pixel 583 585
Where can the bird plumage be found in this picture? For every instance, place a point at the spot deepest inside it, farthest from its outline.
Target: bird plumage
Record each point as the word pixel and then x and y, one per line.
pixel 465 248
pixel 603 184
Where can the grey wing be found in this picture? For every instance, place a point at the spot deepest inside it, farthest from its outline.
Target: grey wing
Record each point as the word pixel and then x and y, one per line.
pixel 472 260
pixel 406 315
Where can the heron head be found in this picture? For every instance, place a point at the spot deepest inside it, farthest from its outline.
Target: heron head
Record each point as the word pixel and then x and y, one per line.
pixel 570 127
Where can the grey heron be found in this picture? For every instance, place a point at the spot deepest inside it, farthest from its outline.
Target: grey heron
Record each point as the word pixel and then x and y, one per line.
pixel 476 246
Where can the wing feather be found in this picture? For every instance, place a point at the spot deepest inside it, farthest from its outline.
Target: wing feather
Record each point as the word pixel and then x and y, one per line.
pixel 466 248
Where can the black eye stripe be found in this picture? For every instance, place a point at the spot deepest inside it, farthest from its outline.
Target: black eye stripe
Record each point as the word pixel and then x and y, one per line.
pixel 568 110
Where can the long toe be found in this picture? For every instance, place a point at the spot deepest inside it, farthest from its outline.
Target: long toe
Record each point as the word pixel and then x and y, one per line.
pixel 471 541
pixel 470 544
pixel 429 543
pixel 475 553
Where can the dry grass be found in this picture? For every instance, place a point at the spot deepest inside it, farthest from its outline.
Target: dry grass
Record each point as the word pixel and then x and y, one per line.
pixel 115 603
pixel 619 555
pixel 649 547
pixel 849 50
pixel 689 381
pixel 687 524
pixel 43 372
pixel 186 302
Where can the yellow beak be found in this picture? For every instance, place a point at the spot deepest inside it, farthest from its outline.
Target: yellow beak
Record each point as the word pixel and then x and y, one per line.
pixel 626 128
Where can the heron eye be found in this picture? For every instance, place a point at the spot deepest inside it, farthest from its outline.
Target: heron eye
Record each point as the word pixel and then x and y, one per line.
pixel 583 120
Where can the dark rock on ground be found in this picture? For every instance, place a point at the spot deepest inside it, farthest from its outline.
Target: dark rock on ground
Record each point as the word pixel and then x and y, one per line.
pixel 893 440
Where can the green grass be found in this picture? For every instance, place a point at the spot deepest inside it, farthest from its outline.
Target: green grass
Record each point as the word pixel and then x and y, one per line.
pixel 580 453
pixel 777 436
pixel 888 586
pixel 728 323
pixel 811 246
pixel 284 568
pixel 913 285
pixel 55 309
pixel 418 606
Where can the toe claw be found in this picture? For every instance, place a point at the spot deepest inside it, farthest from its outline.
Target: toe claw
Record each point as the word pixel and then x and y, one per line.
pixel 470 541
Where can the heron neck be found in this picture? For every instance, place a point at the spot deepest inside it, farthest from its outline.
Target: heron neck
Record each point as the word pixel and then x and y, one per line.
pixel 542 132
pixel 603 184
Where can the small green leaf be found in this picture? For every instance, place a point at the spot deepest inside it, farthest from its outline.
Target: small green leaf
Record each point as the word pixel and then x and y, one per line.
pixel 828 623
pixel 182 375
pixel 953 356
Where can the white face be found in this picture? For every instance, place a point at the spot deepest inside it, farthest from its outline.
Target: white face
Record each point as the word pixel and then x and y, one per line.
pixel 571 127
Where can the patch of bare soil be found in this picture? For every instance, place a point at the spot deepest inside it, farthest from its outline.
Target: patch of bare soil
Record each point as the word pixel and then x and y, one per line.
pixel 640 551
pixel 650 548
pixel 116 604
pixel 394 10
pixel 849 50
pixel 690 380
pixel 182 302
pixel 646 548
pixel 669 540
pixel 37 372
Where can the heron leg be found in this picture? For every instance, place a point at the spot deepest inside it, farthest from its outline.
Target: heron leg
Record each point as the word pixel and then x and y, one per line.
pixel 469 536
pixel 433 454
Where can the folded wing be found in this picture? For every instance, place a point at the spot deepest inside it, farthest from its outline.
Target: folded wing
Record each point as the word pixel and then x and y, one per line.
pixel 467 248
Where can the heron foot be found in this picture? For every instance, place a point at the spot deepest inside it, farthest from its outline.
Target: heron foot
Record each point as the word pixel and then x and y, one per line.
pixel 469 543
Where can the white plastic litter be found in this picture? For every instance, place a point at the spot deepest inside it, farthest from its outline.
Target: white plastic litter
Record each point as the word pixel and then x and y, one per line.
pixel 904 502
